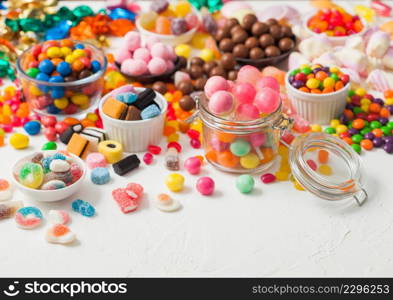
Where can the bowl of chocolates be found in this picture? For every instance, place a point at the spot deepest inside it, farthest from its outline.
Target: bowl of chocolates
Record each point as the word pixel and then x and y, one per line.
pixel 256 43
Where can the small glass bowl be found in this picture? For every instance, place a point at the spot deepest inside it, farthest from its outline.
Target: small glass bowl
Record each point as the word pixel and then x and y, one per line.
pixel 38 93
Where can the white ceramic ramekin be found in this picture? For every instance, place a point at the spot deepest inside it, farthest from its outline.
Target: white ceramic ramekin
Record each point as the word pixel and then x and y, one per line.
pixel 50 195
pixel 135 136
pixel 317 108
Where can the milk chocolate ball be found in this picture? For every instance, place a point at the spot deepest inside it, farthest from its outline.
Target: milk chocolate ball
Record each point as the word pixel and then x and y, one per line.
pixel 197 61
pixel 160 87
pixel 275 31
pixel 208 66
pixel 235 28
pixel 226 45
pixel 286 44
pixel 218 71
pixel 228 61
pixel 222 33
pixel 185 87
pixel 266 40
pixel 200 83
pixel 232 22
pixel 187 103
pixel 239 36
pixel 286 31
pixel 232 75
pixel 248 21
pixel 272 51
pixel 84 74
pixel 182 61
pixel 256 53
pixel 271 22
pixel 240 51
pixel 259 28
pixel 251 42
pixel 196 71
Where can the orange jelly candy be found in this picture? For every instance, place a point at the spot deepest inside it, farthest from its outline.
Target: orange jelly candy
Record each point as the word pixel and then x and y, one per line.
pixel 323 156
pixel 163 25
pixel 227 159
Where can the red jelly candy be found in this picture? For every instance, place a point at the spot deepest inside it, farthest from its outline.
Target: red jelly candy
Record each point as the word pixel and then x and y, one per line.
pixel 268 178
pixel 61 127
pixel 148 158
pixel 49 121
pixel 312 164
pixel 153 149
pixel 195 143
pixel 193 134
pixel 50 134
pixel 175 145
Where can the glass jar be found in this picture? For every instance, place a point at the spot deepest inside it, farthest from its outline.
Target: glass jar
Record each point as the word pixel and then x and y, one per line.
pixel 322 164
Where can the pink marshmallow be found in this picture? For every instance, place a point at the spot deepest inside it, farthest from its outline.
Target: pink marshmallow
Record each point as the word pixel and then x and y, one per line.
pixel 157 66
pixel 169 65
pixel 134 67
pixel 122 54
pixel 132 40
pixel 170 52
pixel 181 76
pixel 159 50
pixel 143 54
pixel 151 40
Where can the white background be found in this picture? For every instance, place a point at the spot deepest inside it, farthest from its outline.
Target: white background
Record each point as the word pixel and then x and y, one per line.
pixel 275 231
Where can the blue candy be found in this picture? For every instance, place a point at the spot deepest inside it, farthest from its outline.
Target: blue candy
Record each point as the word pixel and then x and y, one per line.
pixel 43 77
pixel 127 98
pixel 83 207
pixel 56 79
pixel 59 156
pixel 121 13
pixel 79 46
pixel 51 109
pixel 32 127
pixel 64 68
pixel 60 31
pixel 46 66
pixel 45 162
pixel 100 176
pixel 95 66
pixel 150 112
pixel 57 92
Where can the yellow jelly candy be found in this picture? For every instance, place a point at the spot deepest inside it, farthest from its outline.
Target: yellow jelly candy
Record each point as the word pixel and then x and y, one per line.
pixel 183 50
pixel 172 123
pixel 175 182
pixel 325 170
pixel 282 175
pixel 61 103
pixel 80 99
pixel 316 128
pixel 207 55
pixel 182 8
pixel 148 20
pixel 34 90
pixel 365 101
pixel 360 92
pixel 173 137
pixel 341 128
pixel 334 123
pixel 364 108
pixel 249 161
pixel 19 141
pixel 92 117
pixel 199 40
pixel 298 186
pixel 282 150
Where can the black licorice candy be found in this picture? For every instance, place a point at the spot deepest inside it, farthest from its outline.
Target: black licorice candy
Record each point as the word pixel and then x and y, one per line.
pixel 65 137
pixel 145 99
pixel 126 165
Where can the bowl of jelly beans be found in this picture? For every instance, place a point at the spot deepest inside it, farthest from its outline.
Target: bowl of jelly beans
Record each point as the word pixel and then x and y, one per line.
pixel 172 23
pixel 49 176
pixel 318 93
pixel 336 24
pixel 62 77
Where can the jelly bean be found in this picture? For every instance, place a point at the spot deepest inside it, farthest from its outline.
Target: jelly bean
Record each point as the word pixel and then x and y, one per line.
pixel 175 182
pixel 153 149
pixel 245 183
pixel 312 164
pixel 323 156
pixel 195 143
pixel 268 178
pixel 148 158
pixel 32 127
pixel 282 175
pixel 325 170
pixel 19 141
pixel 205 186
pixel 49 146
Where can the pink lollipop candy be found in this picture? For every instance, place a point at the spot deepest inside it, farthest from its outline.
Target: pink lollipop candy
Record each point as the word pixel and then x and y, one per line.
pixel 221 102
pixel 268 81
pixel 122 54
pixel 267 101
pixel 218 145
pixel 257 139
pixel 244 92
pixel 133 67
pixel 247 112
pixel 143 54
pixel 214 84
pixel 249 74
pixel 157 66
pixel 132 40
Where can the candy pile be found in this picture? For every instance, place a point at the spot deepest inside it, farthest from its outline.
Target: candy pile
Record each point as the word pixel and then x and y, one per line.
pixel 129 198
pixel 155 58
pixel 164 18
pixel 335 22
pixel 59 63
pixel 318 79
pixel 48 171
pixel 253 39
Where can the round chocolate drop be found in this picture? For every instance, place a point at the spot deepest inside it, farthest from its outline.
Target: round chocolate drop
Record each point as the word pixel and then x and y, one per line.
pixel 259 28
pixel 272 51
pixel 266 40
pixel 187 103
pixel 232 22
pixel 200 83
pixel 218 71
pixel 196 71
pixel 208 66
pixel 240 51
pixel 160 87
pixel 257 53
pixel 226 45
pixel 239 36
pixel 286 44
pixel 275 31
pixel 185 87
pixel 271 22
pixel 235 28
pixel 84 74
pixel 286 31
pixel 228 61
pixel 248 21
pixel 182 62
pixel 232 75
pixel 222 33
pixel 251 42
pixel 69 78
pixel 197 61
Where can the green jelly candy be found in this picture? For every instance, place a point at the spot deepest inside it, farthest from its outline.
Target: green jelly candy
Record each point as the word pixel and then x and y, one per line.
pixel 390 125
pixel 351 93
pixel 245 183
pixel 4 64
pixel 240 147
pixel 294 72
pixel 357 148
pixel 83 11
pixel 334 76
pixel 365 130
pixel 357 110
pixel 32 72
pixel 386 130
pixel 49 146
pixel 375 124
pixel 357 138
pixel 330 130
pixel 306 70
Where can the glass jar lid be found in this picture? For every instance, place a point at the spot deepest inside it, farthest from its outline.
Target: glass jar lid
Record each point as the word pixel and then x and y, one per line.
pixel 327 167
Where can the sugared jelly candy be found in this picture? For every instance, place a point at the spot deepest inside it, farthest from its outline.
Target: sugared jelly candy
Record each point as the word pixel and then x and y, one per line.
pixel 31 175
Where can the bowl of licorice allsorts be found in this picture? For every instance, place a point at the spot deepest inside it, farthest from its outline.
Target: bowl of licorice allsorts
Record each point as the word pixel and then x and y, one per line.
pixel 133 117
pixel 49 176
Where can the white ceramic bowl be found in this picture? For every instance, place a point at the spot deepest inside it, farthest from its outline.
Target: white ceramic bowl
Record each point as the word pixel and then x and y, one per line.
pixel 335 40
pixel 50 195
pixel 135 136
pixel 169 39
pixel 317 108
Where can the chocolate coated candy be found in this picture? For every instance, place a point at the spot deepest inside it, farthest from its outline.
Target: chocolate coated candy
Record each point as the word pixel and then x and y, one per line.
pixel 160 87
pixel 226 45
pixel 248 21
pixel 259 28
pixel 126 165
pixel 187 103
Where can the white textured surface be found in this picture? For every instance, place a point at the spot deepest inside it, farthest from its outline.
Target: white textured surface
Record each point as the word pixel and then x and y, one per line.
pixel 275 231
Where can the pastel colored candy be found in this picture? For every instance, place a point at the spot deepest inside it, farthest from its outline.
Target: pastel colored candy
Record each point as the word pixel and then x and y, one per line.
pixel 214 84
pixel 58 217
pixel 134 67
pixel 193 165
pixel 60 234
pixel 378 44
pixel 9 208
pixel 157 66
pixel 165 203
pixel 143 54
pixel 221 102
pixel 28 217
pixel 83 207
pixel 121 55
pixel 95 160
pixel 6 190
pixel 128 199
pixel 31 175
pixel 53 185
pixel 100 176
pixel 205 186
pixel 150 112
pixel 133 40
pixel 59 165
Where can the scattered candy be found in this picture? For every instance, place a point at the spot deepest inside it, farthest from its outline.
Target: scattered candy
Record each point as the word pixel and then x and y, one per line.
pixel 268 178
pixel 60 234
pixel 6 190
pixel 58 217
pixel 126 165
pixel 100 176
pixel 9 208
pixel 19 141
pixel 112 151
pixel 165 203
pixel 175 182
pixel 95 160
pixel 83 207
pixel 205 186
pixel 193 165
pixel 128 198
pixel 245 183
pixel 28 217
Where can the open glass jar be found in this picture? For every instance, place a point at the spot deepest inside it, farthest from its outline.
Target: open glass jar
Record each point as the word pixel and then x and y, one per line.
pixel 323 164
